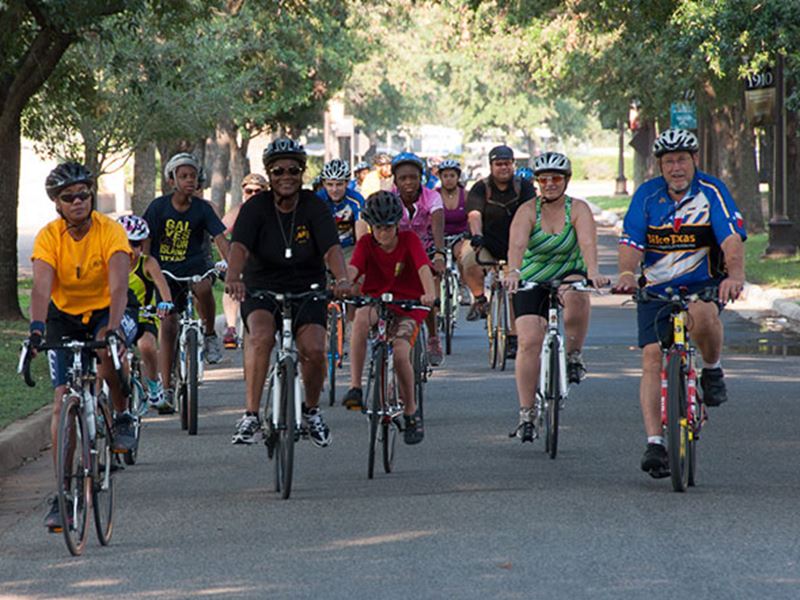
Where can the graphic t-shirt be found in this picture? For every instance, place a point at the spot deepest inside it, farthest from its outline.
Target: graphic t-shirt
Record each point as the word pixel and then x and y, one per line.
pixel 396 271
pixel 498 211
pixel 178 238
pixel 80 285
pixel 345 212
pixel 287 250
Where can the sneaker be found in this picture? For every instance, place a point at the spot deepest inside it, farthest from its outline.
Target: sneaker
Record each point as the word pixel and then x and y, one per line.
pixel 229 340
pixel 655 461
pixel 246 429
pixel 465 295
pixel 53 519
pixel 511 346
pixel 318 431
pixel 713 383
pixel 524 430
pixel 576 369
pixel 413 431
pixel 435 354
pixel 353 399
pixel 124 433
pixel 213 349
pixel 478 309
pixel 167 403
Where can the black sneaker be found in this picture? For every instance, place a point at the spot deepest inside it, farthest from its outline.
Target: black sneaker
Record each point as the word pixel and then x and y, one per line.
pixel 124 433
pixel 478 309
pixel 655 461
pixel 53 519
pixel 353 399
pixel 413 431
pixel 576 369
pixel 713 383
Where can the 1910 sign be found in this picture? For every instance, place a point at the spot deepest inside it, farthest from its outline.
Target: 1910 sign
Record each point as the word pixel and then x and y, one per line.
pixel 759 97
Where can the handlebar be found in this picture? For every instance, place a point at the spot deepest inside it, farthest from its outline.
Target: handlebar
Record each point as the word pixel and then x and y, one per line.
pixel 314 294
pixel 580 285
pixel 26 356
pixel 487 263
pixel 387 298
pixel 192 278
pixel 452 240
pixel 678 295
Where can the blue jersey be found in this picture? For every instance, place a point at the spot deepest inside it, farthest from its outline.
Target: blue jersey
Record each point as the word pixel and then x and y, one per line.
pixel 681 240
pixel 345 212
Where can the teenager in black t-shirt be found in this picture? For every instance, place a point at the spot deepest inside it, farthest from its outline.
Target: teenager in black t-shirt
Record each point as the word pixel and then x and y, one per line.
pixel 282 241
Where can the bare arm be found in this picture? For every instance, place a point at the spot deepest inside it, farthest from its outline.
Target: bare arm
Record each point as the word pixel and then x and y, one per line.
pixel 233 280
pixel 428 285
pixel 475 222
pixel 628 261
pixel 43 275
pixel 153 270
pixel 118 267
pixel 223 245
pixel 586 230
pixel 731 286
pixel 518 235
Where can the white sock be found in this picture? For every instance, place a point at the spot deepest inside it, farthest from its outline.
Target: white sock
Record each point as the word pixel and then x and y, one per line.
pixel 656 439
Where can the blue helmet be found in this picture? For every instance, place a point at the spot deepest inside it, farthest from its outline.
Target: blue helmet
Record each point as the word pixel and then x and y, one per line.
pixel 524 173
pixel 408 158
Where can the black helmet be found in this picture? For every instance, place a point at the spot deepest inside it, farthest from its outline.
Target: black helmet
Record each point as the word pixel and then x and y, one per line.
pixel 383 208
pixel 284 148
pixel 65 175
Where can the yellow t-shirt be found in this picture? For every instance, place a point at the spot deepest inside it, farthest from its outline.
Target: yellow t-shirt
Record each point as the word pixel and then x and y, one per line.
pixel 80 284
pixel 373 182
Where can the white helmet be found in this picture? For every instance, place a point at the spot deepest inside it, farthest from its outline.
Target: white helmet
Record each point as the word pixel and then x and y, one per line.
pixel 450 163
pixel 675 140
pixel 336 169
pixel 179 160
pixel 136 227
pixel 552 161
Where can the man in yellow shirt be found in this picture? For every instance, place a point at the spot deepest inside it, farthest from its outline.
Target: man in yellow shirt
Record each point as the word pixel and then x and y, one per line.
pixel 80 290
pixel 379 179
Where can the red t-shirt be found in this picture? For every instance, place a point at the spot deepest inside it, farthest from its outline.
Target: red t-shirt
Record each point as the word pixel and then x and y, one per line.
pixel 395 271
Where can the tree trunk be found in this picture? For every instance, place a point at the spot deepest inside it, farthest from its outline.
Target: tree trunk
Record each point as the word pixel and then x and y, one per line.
pixel 9 188
pixel 144 177
pixel 644 165
pixel 793 171
pixel 238 168
pixel 220 162
pixel 735 156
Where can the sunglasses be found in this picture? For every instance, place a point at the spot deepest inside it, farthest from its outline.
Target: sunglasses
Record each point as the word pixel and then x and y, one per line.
pixel 70 198
pixel 251 191
pixel 135 243
pixel 278 171
pixel 545 179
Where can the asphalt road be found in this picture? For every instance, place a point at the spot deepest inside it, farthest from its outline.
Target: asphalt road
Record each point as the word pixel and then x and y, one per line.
pixel 468 514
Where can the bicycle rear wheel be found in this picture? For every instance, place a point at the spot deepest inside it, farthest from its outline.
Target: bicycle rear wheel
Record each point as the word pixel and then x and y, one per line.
pixel 502 329
pixel 388 432
pixel 376 405
pixel 102 480
pixel 447 311
pixel 137 406
pixel 72 465
pixel 192 351
pixel 284 463
pixel 419 372
pixel 333 347
pixel 552 398
pixel 677 425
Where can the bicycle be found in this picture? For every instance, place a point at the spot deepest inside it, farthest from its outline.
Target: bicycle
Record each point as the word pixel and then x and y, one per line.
pixel 498 317
pixel 553 387
pixel 382 405
pixel 450 293
pixel 335 337
pixel 282 419
pixel 188 369
pixel 682 412
pixel 85 442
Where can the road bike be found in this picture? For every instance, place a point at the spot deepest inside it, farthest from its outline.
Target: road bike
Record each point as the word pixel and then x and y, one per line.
pixel 498 317
pixel 553 387
pixel 84 462
pixel 682 412
pixel 283 415
pixel 382 405
pixel 335 338
pixel 449 293
pixel 187 364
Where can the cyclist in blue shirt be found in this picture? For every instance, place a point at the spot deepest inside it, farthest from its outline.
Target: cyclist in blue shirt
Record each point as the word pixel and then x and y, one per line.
pixel 345 205
pixel 360 171
pixel 684 229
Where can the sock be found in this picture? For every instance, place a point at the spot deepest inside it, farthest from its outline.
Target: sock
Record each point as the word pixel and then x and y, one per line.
pixel 656 439
pixel 715 365
pixel 153 387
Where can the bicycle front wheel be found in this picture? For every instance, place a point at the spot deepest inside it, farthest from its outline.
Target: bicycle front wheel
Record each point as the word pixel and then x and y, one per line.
pixel 491 329
pixel 419 373
pixel 552 398
pixel 284 463
pixel 72 465
pixel 677 424
pixel 102 480
pixel 389 428
pixel 137 406
pixel 333 352
pixel 192 374
pixel 448 313
pixel 376 405
pixel 502 329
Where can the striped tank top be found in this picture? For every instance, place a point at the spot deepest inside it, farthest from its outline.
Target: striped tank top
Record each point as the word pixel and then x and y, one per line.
pixel 550 255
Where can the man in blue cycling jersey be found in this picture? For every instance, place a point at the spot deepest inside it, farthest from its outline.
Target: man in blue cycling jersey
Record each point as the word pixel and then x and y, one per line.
pixel 345 205
pixel 684 229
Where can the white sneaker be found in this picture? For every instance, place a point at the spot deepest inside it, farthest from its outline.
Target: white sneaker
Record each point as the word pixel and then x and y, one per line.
pixel 213 349
pixel 246 429
pixel 318 431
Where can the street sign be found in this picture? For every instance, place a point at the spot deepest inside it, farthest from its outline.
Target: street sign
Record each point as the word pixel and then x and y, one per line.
pixel 759 98
pixel 683 115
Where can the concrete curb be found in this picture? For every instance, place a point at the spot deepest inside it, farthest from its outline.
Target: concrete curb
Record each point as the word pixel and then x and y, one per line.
pixel 25 439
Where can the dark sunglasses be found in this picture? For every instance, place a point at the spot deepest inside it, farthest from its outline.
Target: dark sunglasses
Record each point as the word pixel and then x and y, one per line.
pixel 135 243
pixel 278 171
pixel 70 198
pixel 251 191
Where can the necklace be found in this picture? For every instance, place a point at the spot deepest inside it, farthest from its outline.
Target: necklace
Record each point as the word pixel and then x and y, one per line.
pixel 287 243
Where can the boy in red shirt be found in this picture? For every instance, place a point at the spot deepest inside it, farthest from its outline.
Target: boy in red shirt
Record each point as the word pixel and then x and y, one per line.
pixel 392 261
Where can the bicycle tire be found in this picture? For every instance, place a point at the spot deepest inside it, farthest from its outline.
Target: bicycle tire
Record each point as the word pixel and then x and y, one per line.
pixel 137 405
pixel 447 313
pixel 502 330
pixel 286 431
pixel 552 398
pixel 419 376
pixel 333 343
pixel 102 473
pixel 677 427
pixel 192 348
pixel 72 465
pixel 179 383
pixel 491 330
pixel 376 405
pixel 388 432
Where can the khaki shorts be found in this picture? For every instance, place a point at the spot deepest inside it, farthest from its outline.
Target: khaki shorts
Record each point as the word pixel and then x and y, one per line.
pixel 468 259
pixel 403 328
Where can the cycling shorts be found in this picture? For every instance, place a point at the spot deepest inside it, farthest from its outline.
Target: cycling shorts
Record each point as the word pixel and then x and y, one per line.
pixel 304 312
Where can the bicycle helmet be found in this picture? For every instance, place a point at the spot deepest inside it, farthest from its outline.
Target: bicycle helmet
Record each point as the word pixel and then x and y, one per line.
pixel 65 175
pixel 382 159
pixel 553 162
pixel 284 148
pixel 136 227
pixel 408 158
pixel 337 169
pixel 179 160
pixel 383 208
pixel 675 140
pixel 434 161
pixel 450 163
pixel 362 166
pixel 256 179
pixel 524 173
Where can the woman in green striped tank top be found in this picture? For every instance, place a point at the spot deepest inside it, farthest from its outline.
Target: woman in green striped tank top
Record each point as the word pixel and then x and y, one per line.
pixel 550 236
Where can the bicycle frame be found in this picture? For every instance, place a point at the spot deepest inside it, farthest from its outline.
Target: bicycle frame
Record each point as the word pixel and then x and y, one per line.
pixel 286 351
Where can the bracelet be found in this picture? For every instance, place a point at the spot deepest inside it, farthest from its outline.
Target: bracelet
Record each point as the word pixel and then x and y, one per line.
pixel 342 280
pixel 37 326
pixel 517 271
pixel 631 273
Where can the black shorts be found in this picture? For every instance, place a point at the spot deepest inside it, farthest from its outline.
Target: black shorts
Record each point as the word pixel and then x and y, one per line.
pixel 145 327
pixel 653 318
pixel 532 302
pixel 304 312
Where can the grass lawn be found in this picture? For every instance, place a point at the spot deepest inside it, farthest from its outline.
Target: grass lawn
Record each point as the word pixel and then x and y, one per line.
pixel 771 272
pixel 617 204
pixel 18 400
